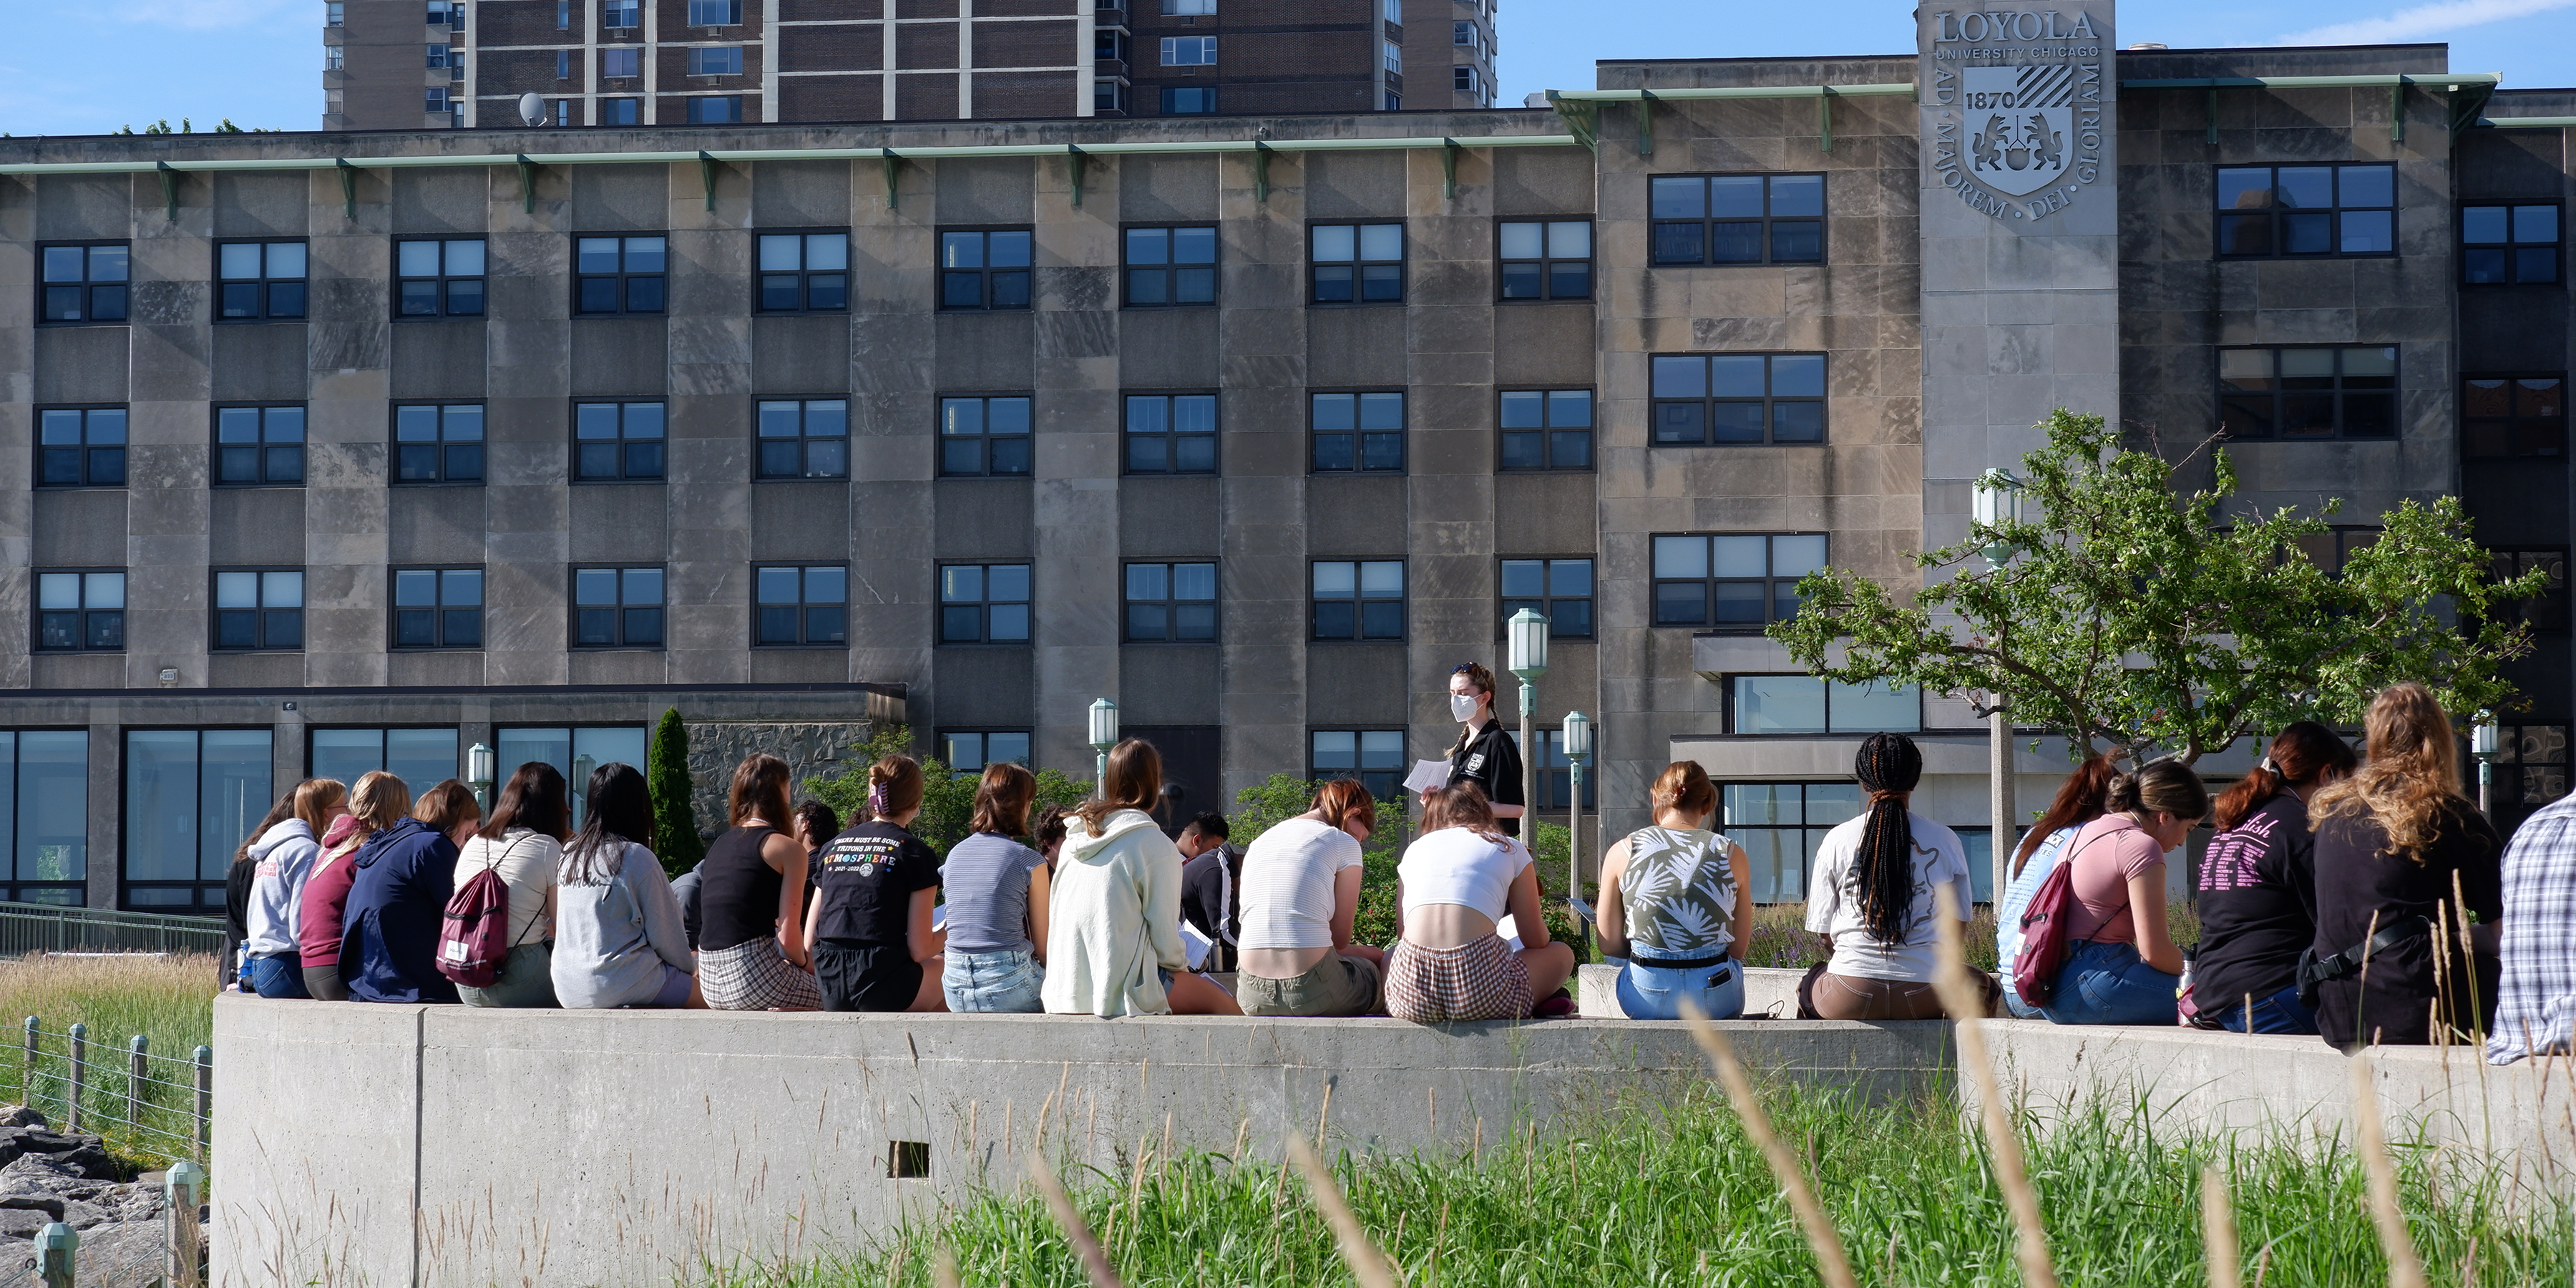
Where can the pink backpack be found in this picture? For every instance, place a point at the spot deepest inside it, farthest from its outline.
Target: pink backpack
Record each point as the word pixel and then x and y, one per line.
pixel 2043 935
pixel 471 947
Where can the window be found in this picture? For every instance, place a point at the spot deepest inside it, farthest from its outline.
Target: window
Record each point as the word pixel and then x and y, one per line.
pixel 1395 12
pixel 1189 100
pixel 1464 80
pixel 804 272
pixel 1780 826
pixel 1363 601
pixel 1738 218
pixel 438 443
pixel 987 269
pixel 620 111
pixel 2333 548
pixel 80 447
pixel 1191 7
pixel 2513 415
pixel 434 100
pixel 984 604
pixel 1171 433
pixel 2308 392
pixel 1189 51
pixel 2266 211
pixel 2546 611
pixel 84 283
pixel 191 795
pixel 1464 35
pixel 422 758
pixel 715 109
pixel 1762 704
pixel 1545 261
pixel 1167 266
pixel 1109 44
pixel 2531 765
pixel 80 612
pixel 1547 429
pixel 259 609
pixel 1171 601
pixel 44 816
pixel 436 56
pixel 439 278
pixel 805 440
pixel 259 280
pixel 1357 431
pixel 1394 102
pixel 715 13
pixel 969 751
pixel 1559 589
pixel 1732 581
pixel 621 13
pixel 335 12
pixel 1394 56
pixel 563 64
pixel 446 13
pixel 259 445
pixel 438 607
pixel 563 15
pixel 1739 398
pixel 1556 774
pixel 984 436
pixel 617 607
pixel 1362 263
pixel 563 111
pixel 620 274
pixel 2508 244
pixel 801 605
pixel 575 753
pixel 334 58
pixel 613 441
pixel 1373 756
pixel 1108 95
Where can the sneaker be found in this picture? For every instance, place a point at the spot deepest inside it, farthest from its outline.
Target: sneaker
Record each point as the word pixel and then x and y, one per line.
pixel 1556 1005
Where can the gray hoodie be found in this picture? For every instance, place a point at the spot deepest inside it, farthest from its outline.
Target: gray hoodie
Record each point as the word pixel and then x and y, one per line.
pixel 285 855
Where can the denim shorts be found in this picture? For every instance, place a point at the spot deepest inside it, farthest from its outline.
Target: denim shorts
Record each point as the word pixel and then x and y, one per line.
pixel 1006 982
pixel 1647 991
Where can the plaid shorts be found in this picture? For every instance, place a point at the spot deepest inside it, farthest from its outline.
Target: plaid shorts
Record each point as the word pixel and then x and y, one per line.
pixel 1484 980
pixel 755 976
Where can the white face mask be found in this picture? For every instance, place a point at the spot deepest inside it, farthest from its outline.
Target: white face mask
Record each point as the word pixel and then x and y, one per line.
pixel 1462 707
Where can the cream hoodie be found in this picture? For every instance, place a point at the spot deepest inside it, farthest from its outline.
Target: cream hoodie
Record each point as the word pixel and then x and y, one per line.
pixel 1114 916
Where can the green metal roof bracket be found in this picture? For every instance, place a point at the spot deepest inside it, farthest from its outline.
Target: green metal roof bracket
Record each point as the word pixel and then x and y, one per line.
pixel 1645 123
pixel 1073 156
pixel 1582 119
pixel 2213 118
pixel 169 190
pixel 1261 172
pixel 1825 120
pixel 707 174
pixel 893 169
pixel 1449 169
pixel 348 188
pixel 2468 103
pixel 2397 112
pixel 2527 122
pixel 527 185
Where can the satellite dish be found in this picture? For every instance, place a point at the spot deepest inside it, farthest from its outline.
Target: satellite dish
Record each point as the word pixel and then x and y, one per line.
pixel 532 109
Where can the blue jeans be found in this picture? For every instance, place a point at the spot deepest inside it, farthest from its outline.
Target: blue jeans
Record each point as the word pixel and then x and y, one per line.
pixel 2111 984
pixel 278 975
pixel 1651 992
pixel 993 983
pixel 2019 1009
pixel 2279 1013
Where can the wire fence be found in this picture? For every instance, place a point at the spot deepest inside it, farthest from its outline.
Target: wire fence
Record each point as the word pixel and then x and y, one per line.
pixel 145 1105
pixel 44 928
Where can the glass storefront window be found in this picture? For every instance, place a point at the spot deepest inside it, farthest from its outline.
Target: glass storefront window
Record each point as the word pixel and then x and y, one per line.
pixel 45 815
pixel 422 758
pixel 191 798
pixel 575 753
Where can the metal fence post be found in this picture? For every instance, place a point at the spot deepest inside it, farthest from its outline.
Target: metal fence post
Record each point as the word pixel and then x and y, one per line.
pixel 186 1189
pixel 55 1245
pixel 205 1061
pixel 137 1053
pixel 79 1078
pixel 27 1074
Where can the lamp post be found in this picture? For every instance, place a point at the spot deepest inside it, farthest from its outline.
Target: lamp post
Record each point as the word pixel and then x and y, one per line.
pixel 1104 735
pixel 1997 499
pixel 1578 749
pixel 1528 661
pixel 2484 738
pixel 583 766
pixel 478 775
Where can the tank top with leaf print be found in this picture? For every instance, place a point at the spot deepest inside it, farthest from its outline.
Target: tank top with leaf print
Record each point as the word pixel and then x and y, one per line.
pixel 1678 893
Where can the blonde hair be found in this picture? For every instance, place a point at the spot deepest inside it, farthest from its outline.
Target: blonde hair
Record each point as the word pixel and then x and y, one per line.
pixel 315 798
pixel 2411 778
pixel 379 801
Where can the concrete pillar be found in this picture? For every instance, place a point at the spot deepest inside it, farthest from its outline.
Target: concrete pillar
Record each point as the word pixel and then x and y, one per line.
pixel 1075 577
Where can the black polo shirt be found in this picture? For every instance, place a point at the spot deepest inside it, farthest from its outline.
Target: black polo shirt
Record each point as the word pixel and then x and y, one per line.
pixel 1492 761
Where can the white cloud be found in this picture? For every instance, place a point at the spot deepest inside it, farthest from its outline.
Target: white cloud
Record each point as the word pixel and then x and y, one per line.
pixel 2422 21
pixel 202 15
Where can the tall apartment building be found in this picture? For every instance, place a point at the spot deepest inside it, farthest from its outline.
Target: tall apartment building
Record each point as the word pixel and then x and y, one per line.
pixel 465 64
pixel 1257 426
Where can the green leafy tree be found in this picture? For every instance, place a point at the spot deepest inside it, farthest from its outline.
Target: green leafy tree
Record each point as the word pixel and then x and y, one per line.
pixel 947 795
pixel 2137 618
pixel 666 778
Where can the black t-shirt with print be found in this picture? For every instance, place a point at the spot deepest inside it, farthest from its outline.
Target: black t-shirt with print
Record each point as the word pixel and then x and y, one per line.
pixel 1492 761
pixel 866 877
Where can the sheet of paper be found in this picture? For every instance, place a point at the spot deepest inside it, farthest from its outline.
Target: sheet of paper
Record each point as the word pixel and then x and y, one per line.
pixel 1195 944
pixel 939 917
pixel 1511 934
pixel 1426 775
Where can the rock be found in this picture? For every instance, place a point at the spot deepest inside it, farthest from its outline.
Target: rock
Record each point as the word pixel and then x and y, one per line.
pixel 58 1173
pixel 21 1116
pixel 33 1200
pixel 22 1223
pixel 140 1203
pixel 81 1216
pixel 123 1255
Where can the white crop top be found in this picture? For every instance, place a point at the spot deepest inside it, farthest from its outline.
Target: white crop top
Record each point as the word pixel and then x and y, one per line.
pixel 1455 865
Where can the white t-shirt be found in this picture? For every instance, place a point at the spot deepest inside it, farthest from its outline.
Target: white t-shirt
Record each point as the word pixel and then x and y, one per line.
pixel 1288 875
pixel 1834 901
pixel 1455 865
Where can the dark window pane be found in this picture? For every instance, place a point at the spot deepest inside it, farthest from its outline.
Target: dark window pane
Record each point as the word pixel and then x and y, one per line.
pixel 1010 456
pixel 1737 422
pixel 283 628
pixel 826 624
pixel 778 459
pixel 1381 283
pixel 465 298
pixel 107 466
pixel 1677 197
pixel 962 624
pixel 1382 619
pixel 643 626
pixel 239 300
pixel 415 463
pixel 286 299
pixel 2483 266
pixel 1570 449
pixel 106 630
pixel 1735 243
pixel 1569 281
pixel 1678 243
pixel 107 304
pixel 2535 265
pixel 460 627
pixel 235 465
pixel 827 291
pixel 1523 450
pixel 1739 603
pixel 1335 620
pixel 599 295
pixel 1681 603
pixel 1011 290
pixel 2245 234
pixel 595 460
pixel 643 295
pixel 1194 622
pixel 416 628
pixel 1521 281
pixel 1148 454
pixel 777 624
pixel 1334 452
pixel 236 630
pixel 1194 286
pixel 2368 232
pixel 1381 451
pixel 2370 415
pixel 961 290
pixel 1332 284
pixel 1680 422
pixel 1146 286
pixel 1798 241
pixel 595 626
pixel 464 462
pixel 419 299
pixel 286 465
pixel 2307 415
pixel 1798 422
pixel 1147 622
pixel 2307 232
pixel 1572 617
pixel 643 460
pixel 778 291
pixel 962 456
pixel 1197 453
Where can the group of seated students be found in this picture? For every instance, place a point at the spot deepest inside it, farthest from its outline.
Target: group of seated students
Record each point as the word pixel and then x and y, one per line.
pixel 2362 900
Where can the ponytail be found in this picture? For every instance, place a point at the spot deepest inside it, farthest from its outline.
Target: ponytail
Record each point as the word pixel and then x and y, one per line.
pixel 2300 757
pixel 1888 767
pixel 894 786
pixel 2161 786
pixel 2079 800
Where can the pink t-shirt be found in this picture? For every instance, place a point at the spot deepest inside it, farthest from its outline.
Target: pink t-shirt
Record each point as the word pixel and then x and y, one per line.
pixel 2106 854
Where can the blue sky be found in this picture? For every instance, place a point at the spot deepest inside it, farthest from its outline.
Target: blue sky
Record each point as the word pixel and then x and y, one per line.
pixel 259 61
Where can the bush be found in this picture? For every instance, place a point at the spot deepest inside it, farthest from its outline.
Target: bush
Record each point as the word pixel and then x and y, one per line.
pixel 666 780
pixel 947 795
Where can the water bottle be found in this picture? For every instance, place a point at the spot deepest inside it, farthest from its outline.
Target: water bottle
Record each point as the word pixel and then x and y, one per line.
pixel 2182 993
pixel 241 968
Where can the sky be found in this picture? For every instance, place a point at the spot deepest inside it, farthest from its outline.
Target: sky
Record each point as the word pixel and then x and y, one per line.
pixel 259 62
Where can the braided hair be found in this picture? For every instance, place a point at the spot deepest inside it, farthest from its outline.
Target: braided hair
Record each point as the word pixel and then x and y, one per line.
pixel 1888 767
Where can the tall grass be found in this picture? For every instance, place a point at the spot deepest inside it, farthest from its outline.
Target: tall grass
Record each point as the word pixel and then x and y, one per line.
pixel 167 1000
pixel 1678 1194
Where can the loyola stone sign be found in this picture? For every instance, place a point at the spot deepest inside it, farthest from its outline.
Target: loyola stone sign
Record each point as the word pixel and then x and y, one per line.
pixel 2017 105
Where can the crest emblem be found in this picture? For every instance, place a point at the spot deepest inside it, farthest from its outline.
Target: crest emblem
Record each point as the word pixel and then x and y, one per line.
pixel 2019 118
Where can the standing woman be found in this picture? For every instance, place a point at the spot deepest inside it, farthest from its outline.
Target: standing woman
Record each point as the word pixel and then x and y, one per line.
pixel 2079 801
pixel 751 945
pixel 1456 881
pixel 523 842
pixel 867 929
pixel 1677 901
pixel 2121 963
pixel 2258 888
pixel 997 901
pixel 1114 933
pixel 1484 755
pixel 379 801
pixel 286 853
pixel 1872 895
pixel 404 878
pixel 238 879
pixel 2397 847
pixel 618 938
